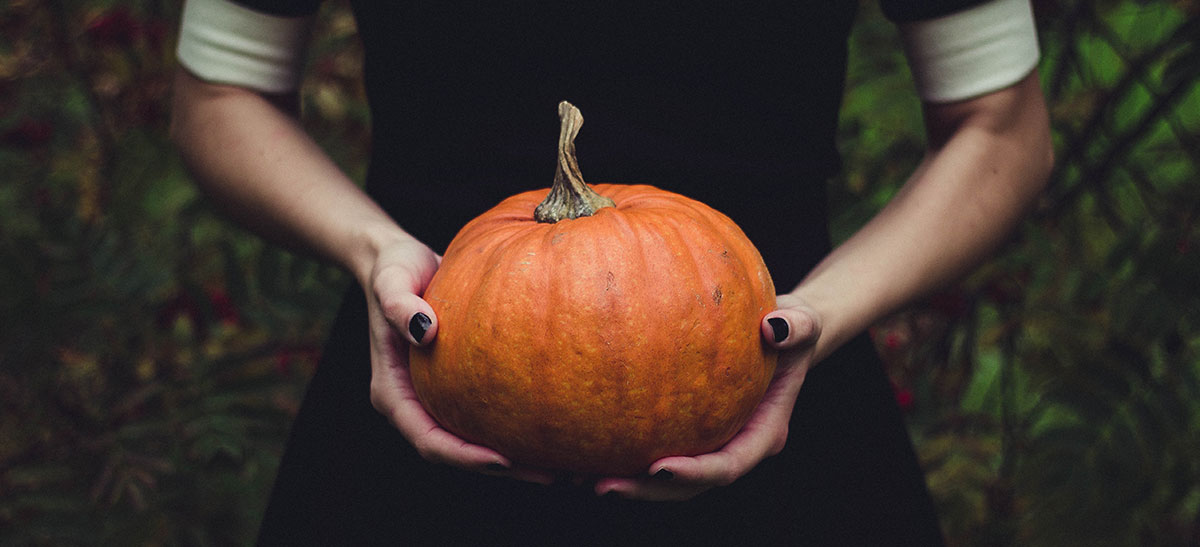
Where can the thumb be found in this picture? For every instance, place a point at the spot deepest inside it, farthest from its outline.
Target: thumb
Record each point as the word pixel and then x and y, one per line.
pixel 407 313
pixel 787 328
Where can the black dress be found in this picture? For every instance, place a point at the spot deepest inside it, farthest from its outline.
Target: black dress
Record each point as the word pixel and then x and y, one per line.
pixel 732 103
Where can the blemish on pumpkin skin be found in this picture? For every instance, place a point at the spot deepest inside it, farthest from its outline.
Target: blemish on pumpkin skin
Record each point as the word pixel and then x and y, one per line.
pixel 717 296
pixel 557 237
pixel 609 282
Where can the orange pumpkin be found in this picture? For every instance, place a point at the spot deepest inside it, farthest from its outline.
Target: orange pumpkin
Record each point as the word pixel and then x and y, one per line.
pixel 608 329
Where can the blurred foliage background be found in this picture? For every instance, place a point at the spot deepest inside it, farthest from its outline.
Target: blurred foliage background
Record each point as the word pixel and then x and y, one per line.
pixel 152 355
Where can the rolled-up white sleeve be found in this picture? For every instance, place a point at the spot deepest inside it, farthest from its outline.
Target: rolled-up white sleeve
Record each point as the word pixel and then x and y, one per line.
pixel 972 52
pixel 223 42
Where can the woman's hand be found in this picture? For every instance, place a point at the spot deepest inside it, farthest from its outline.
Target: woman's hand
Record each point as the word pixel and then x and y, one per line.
pixel 793 329
pixel 398 317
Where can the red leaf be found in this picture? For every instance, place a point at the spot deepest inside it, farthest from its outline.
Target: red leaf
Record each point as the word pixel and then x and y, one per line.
pixel 952 304
pixel 116 27
pixel 28 134
pixel 904 397
pixel 223 307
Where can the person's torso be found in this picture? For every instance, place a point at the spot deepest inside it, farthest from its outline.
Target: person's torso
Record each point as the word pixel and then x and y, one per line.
pixel 734 104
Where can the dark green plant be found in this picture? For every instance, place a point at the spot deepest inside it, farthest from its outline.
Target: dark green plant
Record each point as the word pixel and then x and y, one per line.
pixel 1055 390
pixel 151 355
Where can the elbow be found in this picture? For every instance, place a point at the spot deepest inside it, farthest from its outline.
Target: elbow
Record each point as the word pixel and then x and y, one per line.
pixel 175 129
pixel 1043 164
pixel 1033 175
pixel 1043 160
pixel 1029 130
pixel 1036 112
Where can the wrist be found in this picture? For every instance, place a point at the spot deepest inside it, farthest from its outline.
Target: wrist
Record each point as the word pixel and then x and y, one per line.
pixel 837 317
pixel 370 240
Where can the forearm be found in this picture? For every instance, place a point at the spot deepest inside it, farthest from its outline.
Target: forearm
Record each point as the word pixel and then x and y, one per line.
pixel 255 160
pixel 988 161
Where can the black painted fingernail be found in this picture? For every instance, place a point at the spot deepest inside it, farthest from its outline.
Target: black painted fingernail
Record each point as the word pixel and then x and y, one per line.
pixel 418 325
pixel 664 474
pixel 496 467
pixel 780 327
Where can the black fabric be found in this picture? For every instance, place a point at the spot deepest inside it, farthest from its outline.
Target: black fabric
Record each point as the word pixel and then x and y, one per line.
pixel 847 477
pixel 906 11
pixel 283 8
pixel 895 10
pixel 708 101
pixel 735 105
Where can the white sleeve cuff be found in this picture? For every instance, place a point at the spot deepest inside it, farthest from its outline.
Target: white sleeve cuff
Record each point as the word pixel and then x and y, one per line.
pixel 222 42
pixel 976 51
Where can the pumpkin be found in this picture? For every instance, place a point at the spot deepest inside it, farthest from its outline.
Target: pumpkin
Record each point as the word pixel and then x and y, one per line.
pixel 596 329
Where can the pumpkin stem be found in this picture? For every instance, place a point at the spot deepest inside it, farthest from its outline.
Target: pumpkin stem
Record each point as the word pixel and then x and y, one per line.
pixel 570 196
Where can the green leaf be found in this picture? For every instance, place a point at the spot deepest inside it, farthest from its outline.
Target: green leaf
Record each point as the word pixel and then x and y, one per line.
pixel 983 392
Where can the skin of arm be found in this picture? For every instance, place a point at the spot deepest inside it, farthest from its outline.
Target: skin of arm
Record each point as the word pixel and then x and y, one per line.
pixel 988 158
pixel 247 152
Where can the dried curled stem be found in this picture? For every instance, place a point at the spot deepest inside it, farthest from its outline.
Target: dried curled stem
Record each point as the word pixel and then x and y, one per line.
pixel 570 197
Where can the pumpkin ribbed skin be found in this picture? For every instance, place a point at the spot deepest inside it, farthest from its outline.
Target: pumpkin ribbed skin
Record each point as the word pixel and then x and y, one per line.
pixel 602 343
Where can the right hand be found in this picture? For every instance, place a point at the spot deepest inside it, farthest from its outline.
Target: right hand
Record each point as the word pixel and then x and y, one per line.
pixel 397 317
pixel 764 435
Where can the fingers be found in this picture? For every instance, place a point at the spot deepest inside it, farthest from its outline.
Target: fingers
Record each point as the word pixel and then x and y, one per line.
pixel 440 446
pixel 392 395
pixel 400 275
pixel 399 317
pixel 420 326
pixel 407 313
pixel 649 489
pixel 788 328
pixel 683 477
pixel 677 478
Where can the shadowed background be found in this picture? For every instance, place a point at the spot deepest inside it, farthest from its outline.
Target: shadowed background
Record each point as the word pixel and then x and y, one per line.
pixel 152 355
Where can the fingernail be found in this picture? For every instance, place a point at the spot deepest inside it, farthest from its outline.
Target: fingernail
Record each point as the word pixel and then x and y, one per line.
pixel 497 467
pixel 780 327
pixel 664 474
pixel 418 325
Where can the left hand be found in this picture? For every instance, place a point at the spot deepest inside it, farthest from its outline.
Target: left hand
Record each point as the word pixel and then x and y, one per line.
pixel 683 477
pixel 397 276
